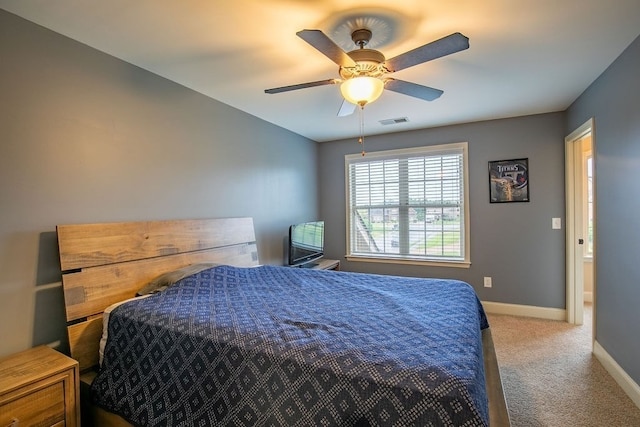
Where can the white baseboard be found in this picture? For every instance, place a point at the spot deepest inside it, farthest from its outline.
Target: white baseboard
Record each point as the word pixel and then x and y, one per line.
pixel 525 310
pixel 588 297
pixel 622 378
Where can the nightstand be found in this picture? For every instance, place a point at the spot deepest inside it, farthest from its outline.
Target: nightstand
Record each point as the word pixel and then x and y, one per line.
pixel 39 387
pixel 327 264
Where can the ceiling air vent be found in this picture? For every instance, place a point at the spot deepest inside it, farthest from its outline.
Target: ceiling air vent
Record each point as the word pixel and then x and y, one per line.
pixel 394 121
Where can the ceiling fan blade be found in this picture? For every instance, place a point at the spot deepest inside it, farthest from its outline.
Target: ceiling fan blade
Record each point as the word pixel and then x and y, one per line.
pixel 327 47
pixel 445 46
pixel 301 86
pixel 346 109
pixel 412 89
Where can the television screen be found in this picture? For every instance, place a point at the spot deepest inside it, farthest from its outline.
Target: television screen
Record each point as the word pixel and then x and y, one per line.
pixel 306 242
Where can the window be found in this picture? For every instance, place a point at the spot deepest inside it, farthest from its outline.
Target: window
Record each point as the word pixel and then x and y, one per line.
pixel 588 224
pixel 409 205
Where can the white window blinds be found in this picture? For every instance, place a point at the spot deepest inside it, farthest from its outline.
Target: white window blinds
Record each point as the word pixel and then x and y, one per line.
pixel 408 204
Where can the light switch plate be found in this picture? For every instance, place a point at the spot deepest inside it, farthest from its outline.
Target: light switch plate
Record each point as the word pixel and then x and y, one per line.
pixel 556 223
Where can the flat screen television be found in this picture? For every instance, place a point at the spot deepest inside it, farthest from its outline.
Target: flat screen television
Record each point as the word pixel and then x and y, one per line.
pixel 306 243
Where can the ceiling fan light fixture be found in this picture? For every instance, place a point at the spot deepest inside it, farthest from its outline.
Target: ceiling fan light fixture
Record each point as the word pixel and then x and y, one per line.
pixel 362 90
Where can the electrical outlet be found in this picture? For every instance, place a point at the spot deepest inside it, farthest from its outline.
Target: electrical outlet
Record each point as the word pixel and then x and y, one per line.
pixel 487 282
pixel 556 223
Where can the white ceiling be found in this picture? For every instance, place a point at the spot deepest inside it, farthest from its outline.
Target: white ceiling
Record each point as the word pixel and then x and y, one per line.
pixel 525 56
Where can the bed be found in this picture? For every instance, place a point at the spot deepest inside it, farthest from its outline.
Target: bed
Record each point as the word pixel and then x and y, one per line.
pixel 241 344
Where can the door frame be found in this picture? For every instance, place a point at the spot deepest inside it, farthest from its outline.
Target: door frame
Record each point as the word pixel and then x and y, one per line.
pixel 574 264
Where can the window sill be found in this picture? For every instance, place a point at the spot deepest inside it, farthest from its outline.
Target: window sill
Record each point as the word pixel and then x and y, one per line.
pixel 450 264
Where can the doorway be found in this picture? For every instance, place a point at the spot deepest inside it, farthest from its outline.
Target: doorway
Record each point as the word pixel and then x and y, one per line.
pixel 580 208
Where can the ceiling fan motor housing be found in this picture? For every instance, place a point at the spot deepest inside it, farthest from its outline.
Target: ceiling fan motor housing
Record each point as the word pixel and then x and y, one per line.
pixel 369 62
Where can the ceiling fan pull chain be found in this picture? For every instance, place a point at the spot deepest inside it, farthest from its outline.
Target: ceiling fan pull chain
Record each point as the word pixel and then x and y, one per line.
pixel 361 139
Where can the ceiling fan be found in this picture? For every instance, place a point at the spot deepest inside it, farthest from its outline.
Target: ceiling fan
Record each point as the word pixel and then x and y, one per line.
pixel 363 72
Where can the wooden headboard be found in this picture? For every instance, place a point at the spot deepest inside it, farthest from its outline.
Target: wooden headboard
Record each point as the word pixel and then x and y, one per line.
pixel 106 263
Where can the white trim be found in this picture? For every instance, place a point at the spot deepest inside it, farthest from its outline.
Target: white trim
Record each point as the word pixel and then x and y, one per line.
pixel 585 128
pixel 574 273
pixel 458 148
pixel 619 375
pixel 409 261
pixel 525 310
pixel 570 255
pixel 434 150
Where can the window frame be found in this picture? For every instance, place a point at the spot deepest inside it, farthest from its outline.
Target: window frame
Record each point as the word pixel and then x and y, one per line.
pixel 430 150
pixel 587 208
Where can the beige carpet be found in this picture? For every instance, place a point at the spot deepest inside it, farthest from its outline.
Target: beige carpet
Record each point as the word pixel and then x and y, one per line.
pixel 551 378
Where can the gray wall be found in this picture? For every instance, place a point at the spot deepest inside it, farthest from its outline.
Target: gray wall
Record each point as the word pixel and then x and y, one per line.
pixel 513 243
pixel 85 137
pixel 613 100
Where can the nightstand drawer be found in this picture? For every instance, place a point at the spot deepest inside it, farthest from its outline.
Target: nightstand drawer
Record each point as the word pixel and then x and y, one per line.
pixel 43 405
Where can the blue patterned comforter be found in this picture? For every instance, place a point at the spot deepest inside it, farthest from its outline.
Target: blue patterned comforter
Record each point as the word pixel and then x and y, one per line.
pixel 297 347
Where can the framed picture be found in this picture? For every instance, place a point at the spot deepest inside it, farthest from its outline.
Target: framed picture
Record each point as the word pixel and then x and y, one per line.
pixel 509 181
